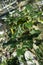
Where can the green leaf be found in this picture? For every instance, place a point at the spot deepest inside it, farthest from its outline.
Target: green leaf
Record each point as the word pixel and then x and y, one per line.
pixel 28 25
pixel 34 32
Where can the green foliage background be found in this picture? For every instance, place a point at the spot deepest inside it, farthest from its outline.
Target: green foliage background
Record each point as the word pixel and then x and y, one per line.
pixel 21 33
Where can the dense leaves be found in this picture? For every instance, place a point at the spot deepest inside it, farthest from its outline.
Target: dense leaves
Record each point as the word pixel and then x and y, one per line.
pixel 21 32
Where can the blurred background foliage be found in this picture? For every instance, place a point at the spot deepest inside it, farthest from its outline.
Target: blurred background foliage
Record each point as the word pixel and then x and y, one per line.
pixel 23 32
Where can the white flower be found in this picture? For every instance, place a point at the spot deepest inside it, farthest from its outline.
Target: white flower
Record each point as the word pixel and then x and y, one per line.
pixel 28 55
pixel 14 53
pixel 29 63
pixel 35 47
pixel 1 32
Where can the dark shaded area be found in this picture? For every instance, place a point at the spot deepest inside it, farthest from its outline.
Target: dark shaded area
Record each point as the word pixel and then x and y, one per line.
pixel 38 41
pixel 13 61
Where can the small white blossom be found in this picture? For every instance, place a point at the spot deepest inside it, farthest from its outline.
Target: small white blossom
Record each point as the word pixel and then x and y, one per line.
pixel 35 47
pixel 1 32
pixel 28 55
pixel 14 54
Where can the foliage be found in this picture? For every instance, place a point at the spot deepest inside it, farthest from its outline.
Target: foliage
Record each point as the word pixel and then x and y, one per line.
pixel 21 32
